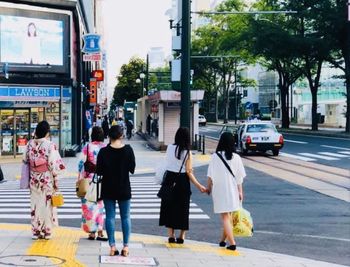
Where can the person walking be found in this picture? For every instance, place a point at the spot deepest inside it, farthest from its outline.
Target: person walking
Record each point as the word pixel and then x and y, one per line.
pixel 225 177
pixel 92 212
pixel 45 165
pixel 105 126
pixel 174 213
pixel 129 126
pixel 114 163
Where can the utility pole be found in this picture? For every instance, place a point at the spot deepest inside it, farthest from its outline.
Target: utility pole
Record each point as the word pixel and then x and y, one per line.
pixel 185 64
pixel 147 74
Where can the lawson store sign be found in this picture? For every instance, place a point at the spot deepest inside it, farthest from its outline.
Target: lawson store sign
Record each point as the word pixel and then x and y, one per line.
pixel 13 93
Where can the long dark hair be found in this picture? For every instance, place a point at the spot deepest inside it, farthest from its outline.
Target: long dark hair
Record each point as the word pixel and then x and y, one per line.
pixel 42 129
pixel 227 144
pixel 182 141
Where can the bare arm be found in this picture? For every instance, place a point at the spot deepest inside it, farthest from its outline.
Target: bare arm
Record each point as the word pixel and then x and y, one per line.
pixel 240 192
pixel 190 174
pixel 209 185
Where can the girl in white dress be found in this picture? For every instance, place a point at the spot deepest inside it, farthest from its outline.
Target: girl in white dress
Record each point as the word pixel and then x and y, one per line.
pixel 226 187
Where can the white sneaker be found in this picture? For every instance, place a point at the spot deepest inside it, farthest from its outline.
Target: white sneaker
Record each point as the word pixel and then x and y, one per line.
pixel 35 237
pixel 47 237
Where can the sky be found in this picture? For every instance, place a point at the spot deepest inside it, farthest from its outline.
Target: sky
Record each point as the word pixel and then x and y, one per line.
pixel 132 27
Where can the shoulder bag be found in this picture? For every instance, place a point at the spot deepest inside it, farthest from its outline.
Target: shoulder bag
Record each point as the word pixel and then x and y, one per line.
pixel 224 161
pixel 166 191
pixel 89 166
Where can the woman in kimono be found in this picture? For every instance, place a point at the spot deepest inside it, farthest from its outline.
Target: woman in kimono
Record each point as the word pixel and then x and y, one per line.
pixel 92 213
pixel 45 165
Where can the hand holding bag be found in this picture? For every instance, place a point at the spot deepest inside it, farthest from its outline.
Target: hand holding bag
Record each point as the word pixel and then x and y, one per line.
pixel 166 191
pixel 242 223
pixel 93 193
pixel 57 199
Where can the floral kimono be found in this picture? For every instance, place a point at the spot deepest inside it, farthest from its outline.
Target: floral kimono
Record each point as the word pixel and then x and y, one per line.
pixel 92 213
pixel 42 184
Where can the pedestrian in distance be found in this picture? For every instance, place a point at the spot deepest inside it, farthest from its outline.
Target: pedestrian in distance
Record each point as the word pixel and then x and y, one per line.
pixel 129 127
pixel 174 212
pixel 45 165
pixel 1 176
pixel 105 126
pixel 114 163
pixel 92 212
pixel 225 177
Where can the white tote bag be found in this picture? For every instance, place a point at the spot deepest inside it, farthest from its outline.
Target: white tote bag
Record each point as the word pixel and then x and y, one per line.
pixel 93 193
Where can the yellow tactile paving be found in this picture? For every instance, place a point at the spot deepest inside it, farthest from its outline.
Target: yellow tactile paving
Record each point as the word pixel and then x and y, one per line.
pixel 64 245
pixel 14 227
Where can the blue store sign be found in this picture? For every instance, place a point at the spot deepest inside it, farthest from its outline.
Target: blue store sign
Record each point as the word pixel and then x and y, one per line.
pixel 91 43
pixel 13 93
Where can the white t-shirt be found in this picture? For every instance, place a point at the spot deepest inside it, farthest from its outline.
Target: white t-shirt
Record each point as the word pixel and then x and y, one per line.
pixel 172 162
pixel 224 191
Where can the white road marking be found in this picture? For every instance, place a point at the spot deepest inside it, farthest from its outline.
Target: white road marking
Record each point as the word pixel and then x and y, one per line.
pixel 332 154
pixel 293 141
pixel 296 156
pixel 345 152
pixel 317 156
pixel 336 147
pixel 76 216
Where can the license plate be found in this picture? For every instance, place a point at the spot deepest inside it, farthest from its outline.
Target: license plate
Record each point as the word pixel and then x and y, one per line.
pixel 265 138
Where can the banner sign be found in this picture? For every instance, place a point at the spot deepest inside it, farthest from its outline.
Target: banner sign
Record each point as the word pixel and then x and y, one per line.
pixel 98 75
pixel 93 92
pixel 8 93
pixel 91 43
pixel 92 57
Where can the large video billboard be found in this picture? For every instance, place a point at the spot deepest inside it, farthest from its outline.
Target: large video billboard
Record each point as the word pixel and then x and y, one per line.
pixel 34 41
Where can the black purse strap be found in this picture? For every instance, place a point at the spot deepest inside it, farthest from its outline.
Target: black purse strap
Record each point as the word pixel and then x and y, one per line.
pixel 224 161
pixel 183 162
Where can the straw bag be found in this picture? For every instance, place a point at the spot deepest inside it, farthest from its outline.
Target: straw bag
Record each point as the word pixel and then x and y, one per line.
pixel 81 187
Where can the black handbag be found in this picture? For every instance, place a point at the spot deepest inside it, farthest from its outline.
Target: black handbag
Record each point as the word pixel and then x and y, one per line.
pixel 167 190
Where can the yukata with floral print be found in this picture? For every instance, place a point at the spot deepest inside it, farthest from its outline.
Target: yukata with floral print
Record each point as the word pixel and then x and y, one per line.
pixel 92 212
pixel 42 185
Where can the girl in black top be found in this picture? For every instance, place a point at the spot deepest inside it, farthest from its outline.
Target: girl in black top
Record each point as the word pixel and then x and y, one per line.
pixel 114 163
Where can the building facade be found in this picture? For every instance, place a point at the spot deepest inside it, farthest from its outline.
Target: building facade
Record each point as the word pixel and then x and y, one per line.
pixel 43 75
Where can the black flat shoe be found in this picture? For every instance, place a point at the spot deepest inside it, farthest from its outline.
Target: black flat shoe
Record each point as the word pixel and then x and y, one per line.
pixel 222 244
pixel 101 238
pixel 114 253
pixel 171 240
pixel 91 238
pixel 232 247
pixel 179 241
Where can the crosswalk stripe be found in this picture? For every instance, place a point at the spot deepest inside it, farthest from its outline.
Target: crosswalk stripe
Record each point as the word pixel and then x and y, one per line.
pixel 345 152
pixel 296 156
pixel 333 154
pixel 336 147
pixel 15 202
pixel 317 156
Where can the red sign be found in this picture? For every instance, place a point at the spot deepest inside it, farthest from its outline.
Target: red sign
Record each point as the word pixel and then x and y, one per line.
pixel 93 92
pixel 92 57
pixel 98 75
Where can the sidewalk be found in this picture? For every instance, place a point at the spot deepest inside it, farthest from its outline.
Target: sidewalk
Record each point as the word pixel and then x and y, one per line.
pixel 70 248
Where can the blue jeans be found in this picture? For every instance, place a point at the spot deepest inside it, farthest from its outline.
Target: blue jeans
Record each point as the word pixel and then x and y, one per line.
pixel 124 210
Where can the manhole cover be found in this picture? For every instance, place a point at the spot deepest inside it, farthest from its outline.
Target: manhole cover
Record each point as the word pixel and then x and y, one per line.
pixel 31 260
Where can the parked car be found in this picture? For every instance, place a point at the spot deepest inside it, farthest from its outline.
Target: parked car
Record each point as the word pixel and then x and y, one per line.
pixel 202 120
pixel 258 136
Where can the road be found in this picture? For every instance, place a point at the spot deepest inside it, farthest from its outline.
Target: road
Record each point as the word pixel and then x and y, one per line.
pixel 329 151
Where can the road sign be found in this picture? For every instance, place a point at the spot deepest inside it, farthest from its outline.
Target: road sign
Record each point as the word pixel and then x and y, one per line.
pixel 91 43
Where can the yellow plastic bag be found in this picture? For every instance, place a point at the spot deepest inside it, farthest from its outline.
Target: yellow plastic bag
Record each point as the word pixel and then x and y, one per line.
pixel 242 223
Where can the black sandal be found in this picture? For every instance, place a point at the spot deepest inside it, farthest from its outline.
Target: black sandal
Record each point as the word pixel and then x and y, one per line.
pixel 91 237
pixel 101 238
pixel 171 240
pixel 180 240
pixel 232 247
pixel 124 253
pixel 114 252
pixel 222 244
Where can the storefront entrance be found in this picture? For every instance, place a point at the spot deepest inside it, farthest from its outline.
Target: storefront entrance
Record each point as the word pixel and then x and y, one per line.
pixel 14 130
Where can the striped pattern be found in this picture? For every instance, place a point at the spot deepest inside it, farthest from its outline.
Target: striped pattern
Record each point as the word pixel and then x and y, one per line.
pixel 15 202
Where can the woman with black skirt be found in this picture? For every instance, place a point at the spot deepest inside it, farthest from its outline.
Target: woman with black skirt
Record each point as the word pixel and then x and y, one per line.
pixel 174 213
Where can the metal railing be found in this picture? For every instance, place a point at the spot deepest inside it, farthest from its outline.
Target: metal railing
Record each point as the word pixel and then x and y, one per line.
pixel 199 143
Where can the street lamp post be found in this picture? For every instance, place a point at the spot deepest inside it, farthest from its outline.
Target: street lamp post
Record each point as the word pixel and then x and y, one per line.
pixel 141 82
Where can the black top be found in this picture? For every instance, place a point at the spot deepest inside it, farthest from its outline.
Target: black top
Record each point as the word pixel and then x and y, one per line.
pixel 114 164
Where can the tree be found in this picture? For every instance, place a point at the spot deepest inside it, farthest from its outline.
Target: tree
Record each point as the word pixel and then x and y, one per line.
pixel 127 89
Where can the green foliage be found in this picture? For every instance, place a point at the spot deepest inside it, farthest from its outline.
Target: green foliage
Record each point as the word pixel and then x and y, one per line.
pixel 127 89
